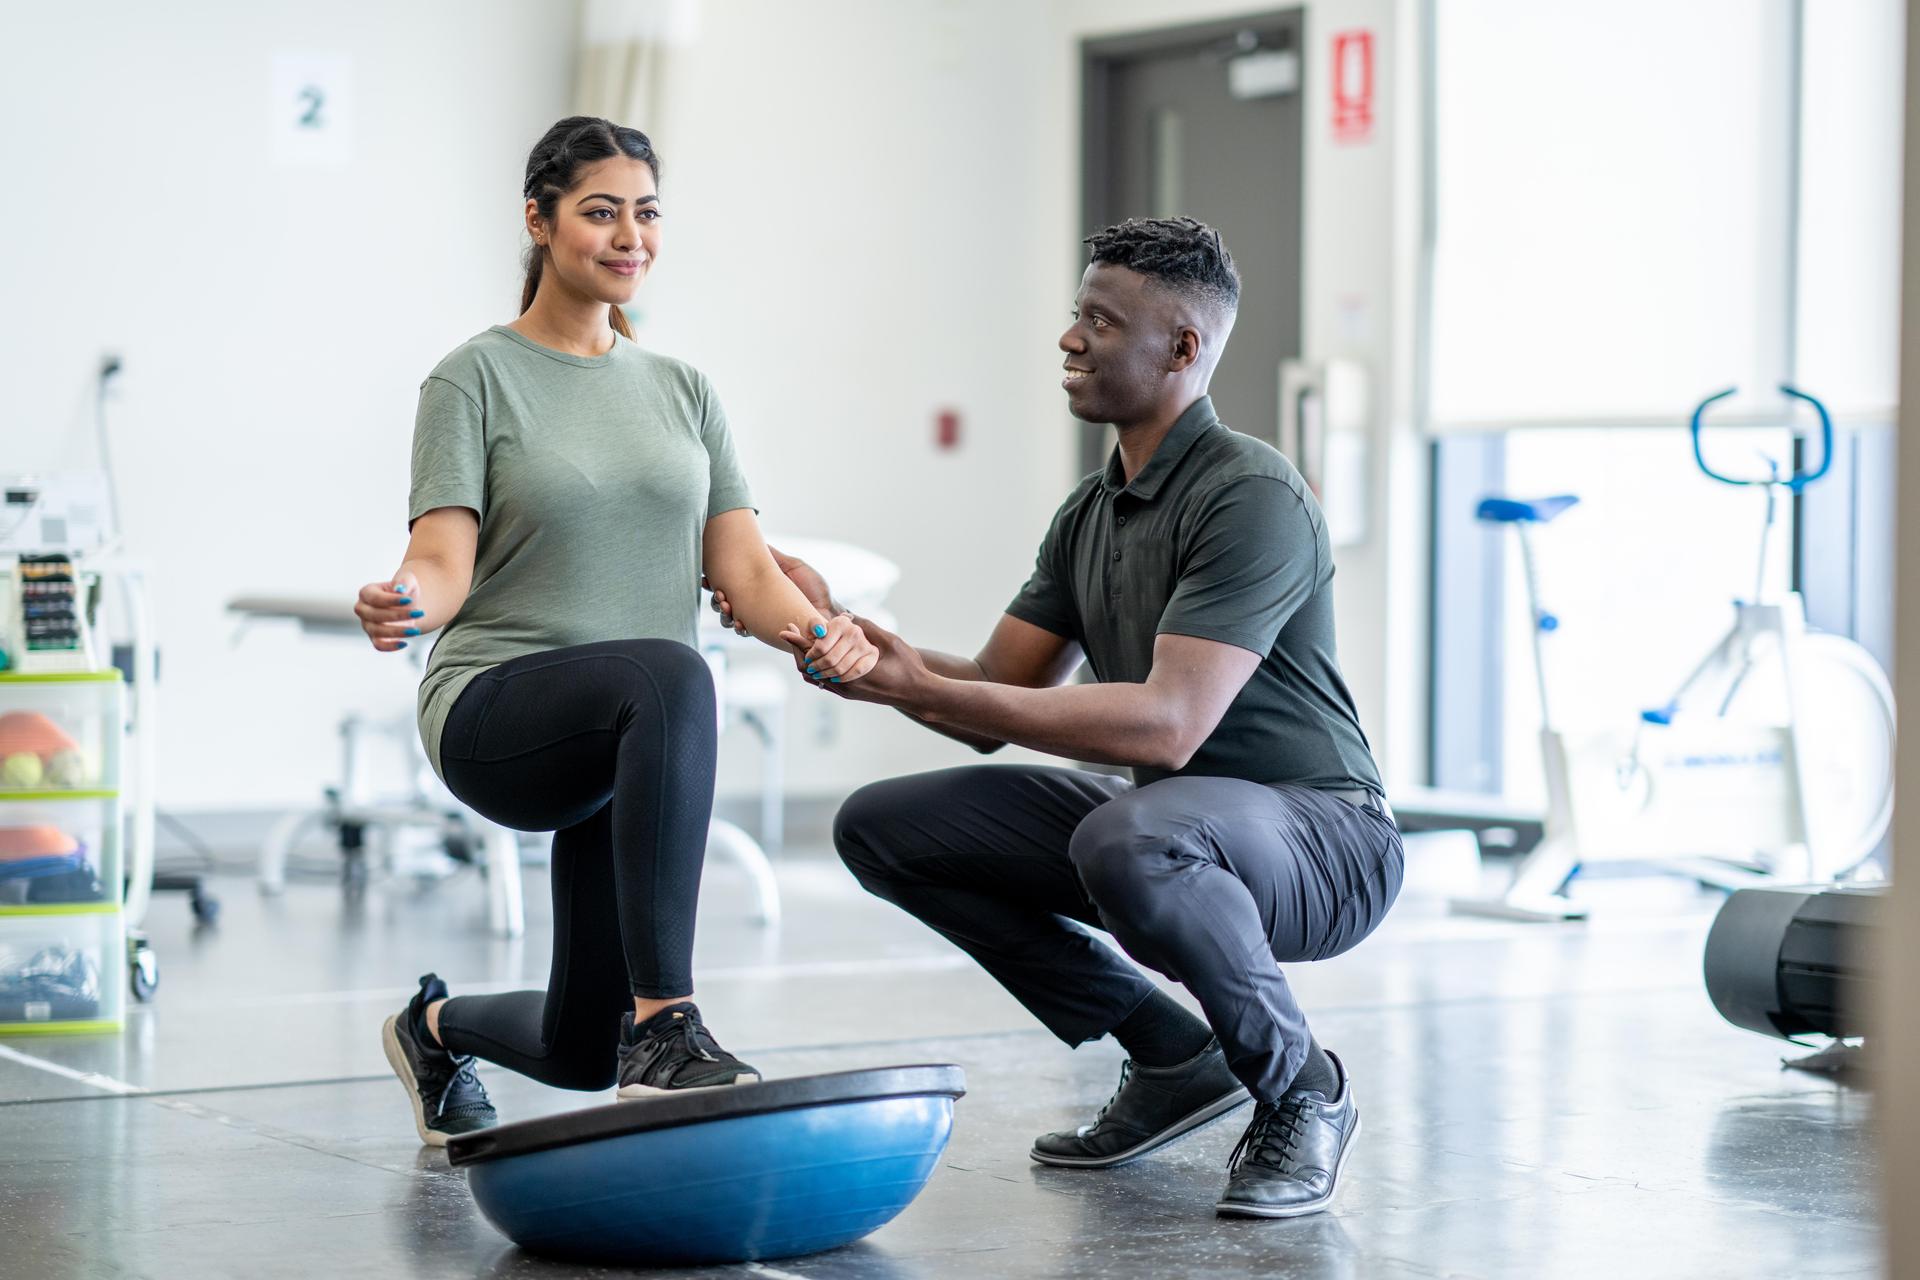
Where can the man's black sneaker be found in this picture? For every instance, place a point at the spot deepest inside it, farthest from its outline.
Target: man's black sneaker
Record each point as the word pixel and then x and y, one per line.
pixel 1152 1107
pixel 445 1090
pixel 1288 1162
pixel 673 1050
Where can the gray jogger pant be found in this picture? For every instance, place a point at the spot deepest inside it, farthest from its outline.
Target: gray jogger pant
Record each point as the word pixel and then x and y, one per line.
pixel 1215 882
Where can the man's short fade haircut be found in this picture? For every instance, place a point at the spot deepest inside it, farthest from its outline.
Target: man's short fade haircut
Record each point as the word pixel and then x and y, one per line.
pixel 1186 255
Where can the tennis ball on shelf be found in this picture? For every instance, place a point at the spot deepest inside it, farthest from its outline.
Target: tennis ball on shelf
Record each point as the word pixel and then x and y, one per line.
pixel 22 769
pixel 67 768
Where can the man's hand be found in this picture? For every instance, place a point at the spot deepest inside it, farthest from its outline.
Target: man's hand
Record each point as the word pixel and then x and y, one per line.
pixel 798 571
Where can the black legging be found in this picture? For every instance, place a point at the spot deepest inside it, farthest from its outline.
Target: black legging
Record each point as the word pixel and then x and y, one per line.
pixel 611 747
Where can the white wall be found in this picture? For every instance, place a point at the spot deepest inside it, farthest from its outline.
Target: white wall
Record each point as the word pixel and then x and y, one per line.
pixel 275 322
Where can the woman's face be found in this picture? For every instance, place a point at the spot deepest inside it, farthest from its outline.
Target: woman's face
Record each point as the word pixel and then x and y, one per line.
pixel 605 233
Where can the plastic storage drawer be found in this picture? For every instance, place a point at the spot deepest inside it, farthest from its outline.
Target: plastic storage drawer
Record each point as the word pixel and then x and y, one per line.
pixel 59 733
pixel 58 853
pixel 63 972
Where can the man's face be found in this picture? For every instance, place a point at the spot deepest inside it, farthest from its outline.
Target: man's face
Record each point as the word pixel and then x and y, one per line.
pixel 1120 345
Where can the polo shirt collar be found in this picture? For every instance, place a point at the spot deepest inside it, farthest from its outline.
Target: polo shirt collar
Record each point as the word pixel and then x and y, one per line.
pixel 1187 428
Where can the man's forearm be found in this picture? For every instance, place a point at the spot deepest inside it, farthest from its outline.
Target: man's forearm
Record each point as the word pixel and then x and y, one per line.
pixel 1100 723
pixel 954 668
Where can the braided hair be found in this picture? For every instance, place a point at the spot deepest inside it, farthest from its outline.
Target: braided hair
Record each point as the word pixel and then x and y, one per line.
pixel 553 167
pixel 1185 255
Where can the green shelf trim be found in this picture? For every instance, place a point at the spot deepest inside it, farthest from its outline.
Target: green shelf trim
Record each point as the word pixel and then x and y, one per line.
pixel 13 911
pixel 60 677
pixel 24 797
pixel 93 1026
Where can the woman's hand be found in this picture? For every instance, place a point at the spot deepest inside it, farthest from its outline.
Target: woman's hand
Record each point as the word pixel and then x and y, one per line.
pixel 899 675
pixel 389 613
pixel 838 651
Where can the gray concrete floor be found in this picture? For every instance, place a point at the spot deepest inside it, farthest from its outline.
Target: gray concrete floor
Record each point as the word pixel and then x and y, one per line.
pixel 1540 1101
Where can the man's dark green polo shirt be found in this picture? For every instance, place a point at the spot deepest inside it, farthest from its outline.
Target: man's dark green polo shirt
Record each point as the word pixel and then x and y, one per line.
pixel 1217 537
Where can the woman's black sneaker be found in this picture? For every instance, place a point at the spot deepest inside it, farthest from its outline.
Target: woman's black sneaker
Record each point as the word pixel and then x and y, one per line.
pixel 673 1050
pixel 445 1090
pixel 1152 1107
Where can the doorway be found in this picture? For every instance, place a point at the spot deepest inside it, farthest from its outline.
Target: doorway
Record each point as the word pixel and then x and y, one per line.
pixel 1206 120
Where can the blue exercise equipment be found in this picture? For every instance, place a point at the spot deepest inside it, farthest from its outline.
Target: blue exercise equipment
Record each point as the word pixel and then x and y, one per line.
pixel 1797 478
pixel 767 1170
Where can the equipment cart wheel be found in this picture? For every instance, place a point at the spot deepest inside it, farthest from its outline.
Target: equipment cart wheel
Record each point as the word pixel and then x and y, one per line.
pixel 143 966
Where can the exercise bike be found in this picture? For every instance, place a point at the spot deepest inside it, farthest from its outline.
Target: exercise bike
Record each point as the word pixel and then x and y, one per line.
pixel 1771 763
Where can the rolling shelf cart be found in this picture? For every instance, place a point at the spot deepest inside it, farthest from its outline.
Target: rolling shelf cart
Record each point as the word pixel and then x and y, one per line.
pixel 63 932
pixel 84 807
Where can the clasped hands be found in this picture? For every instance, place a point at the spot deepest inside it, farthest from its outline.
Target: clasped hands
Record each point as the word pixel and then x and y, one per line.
pixel 891 679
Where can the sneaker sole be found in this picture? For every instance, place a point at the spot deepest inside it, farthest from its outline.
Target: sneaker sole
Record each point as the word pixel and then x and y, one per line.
pixel 1234 1209
pixel 1185 1127
pixel 630 1092
pixel 397 1059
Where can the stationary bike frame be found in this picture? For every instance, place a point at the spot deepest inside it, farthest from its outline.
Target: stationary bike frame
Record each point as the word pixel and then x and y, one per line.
pixel 1722 801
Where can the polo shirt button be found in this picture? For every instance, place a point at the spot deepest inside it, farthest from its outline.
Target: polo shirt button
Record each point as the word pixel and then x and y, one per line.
pixel 1123 519
pixel 1116 555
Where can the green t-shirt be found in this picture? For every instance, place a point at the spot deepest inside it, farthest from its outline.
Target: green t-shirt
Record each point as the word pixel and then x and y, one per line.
pixel 593 476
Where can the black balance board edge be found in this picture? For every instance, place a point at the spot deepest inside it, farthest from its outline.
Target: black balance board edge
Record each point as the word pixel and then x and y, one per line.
pixel 696 1106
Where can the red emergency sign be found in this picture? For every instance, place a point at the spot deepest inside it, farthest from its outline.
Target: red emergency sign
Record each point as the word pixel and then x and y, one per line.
pixel 1353 86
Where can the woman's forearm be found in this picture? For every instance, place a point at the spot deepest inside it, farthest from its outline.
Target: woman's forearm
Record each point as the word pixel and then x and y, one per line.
pixel 438 590
pixel 768 602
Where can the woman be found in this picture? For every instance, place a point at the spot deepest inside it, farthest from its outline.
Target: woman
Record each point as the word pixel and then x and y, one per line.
pixel 569 489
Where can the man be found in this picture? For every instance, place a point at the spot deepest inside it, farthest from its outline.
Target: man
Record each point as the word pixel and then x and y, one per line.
pixel 1193 574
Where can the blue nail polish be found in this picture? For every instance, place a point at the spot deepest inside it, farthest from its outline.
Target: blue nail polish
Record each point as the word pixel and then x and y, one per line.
pixel 418 613
pixel 836 679
pixel 809 668
pixel 406 600
pixel 402 644
pixel 819 630
pixel 411 631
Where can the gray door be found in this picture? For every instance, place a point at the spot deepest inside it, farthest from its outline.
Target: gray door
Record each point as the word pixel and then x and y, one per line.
pixel 1165 133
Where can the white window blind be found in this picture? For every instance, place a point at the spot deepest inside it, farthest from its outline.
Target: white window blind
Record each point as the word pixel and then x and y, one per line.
pixel 1613 209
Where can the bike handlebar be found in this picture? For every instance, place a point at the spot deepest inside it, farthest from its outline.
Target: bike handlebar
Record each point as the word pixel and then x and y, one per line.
pixel 1799 479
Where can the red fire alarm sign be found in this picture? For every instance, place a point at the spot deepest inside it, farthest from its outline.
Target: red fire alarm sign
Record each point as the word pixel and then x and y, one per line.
pixel 1352 86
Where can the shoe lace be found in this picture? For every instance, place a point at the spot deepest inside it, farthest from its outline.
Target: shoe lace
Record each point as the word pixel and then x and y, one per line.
pixel 1126 1074
pixel 665 1052
pixel 695 1033
pixel 1270 1138
pixel 463 1092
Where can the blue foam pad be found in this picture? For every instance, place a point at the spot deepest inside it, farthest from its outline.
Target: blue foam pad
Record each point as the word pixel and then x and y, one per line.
pixel 766 1170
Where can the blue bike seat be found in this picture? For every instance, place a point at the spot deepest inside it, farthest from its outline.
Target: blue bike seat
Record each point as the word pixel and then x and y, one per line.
pixel 1515 511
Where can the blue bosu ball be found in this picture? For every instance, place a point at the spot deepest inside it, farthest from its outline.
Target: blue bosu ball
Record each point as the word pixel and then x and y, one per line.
pixel 766 1170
